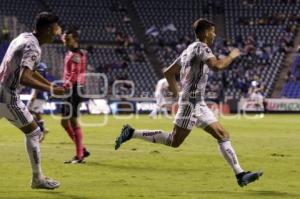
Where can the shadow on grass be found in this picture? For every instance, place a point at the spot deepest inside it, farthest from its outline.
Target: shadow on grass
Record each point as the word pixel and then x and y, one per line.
pixel 272 193
pixel 40 194
pixel 225 194
pixel 133 167
pixel 250 194
pixel 62 195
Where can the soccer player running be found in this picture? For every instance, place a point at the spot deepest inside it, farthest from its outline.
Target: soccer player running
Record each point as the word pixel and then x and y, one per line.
pixel 74 77
pixel 193 65
pixel 17 67
pixel 38 100
pixel 161 91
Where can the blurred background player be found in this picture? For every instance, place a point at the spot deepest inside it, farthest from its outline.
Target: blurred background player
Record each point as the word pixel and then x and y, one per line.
pixel 255 93
pixel 193 65
pixel 38 100
pixel 75 64
pixel 161 91
pixel 18 67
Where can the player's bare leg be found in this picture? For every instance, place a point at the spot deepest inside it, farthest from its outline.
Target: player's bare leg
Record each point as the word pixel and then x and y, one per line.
pixel 222 136
pixel 39 181
pixel 178 136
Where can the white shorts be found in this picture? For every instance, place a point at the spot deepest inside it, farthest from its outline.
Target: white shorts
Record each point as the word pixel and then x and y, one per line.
pixel 189 115
pixel 160 100
pixel 14 110
pixel 257 97
pixel 37 106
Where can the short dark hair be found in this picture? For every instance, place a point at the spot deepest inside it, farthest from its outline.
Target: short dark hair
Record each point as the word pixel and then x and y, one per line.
pixel 72 30
pixel 201 25
pixel 44 19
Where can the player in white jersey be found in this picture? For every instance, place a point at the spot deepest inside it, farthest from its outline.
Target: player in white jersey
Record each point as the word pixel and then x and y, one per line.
pixel 255 94
pixel 18 68
pixel 161 91
pixel 193 65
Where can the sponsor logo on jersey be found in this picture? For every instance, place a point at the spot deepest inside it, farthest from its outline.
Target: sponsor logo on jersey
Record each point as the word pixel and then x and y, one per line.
pixel 33 57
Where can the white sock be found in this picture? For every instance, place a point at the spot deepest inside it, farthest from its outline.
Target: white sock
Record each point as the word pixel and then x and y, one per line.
pixel 33 149
pixel 154 136
pixel 230 156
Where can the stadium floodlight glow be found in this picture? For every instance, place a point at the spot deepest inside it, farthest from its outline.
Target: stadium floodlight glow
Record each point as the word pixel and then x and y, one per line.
pixel 96 82
pixel 122 83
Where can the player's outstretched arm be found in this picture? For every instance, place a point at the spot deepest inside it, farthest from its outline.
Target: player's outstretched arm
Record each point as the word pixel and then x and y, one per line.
pixel 215 64
pixel 39 77
pixel 170 74
pixel 28 78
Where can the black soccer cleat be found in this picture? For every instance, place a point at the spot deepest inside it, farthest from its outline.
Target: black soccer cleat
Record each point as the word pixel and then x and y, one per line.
pixel 245 178
pixel 126 134
pixel 86 153
pixel 75 160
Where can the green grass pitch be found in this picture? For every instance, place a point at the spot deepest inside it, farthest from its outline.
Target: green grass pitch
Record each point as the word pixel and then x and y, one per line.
pixel 151 171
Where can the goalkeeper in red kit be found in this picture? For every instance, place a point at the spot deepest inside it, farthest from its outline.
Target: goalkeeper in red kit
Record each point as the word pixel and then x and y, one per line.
pixel 75 63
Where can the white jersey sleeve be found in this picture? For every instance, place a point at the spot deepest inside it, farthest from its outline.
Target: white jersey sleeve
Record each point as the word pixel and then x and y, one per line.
pixel 204 52
pixel 30 56
pixel 207 54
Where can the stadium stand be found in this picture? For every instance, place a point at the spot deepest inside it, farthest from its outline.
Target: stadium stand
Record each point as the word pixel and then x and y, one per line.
pixel 292 87
pixel 167 21
pixel 116 63
pixel 263 30
pixel 98 20
pixel 15 15
pixel 264 38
